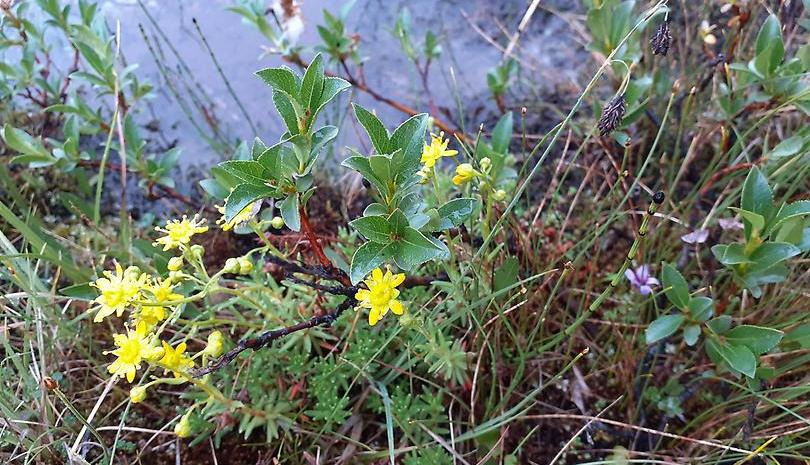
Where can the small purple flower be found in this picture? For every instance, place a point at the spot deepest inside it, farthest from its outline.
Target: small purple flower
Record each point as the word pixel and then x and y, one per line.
pixel 641 279
pixel 698 236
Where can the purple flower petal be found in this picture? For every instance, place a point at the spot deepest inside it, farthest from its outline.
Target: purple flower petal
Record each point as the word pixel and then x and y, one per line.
pixel 729 223
pixel 653 282
pixel 631 276
pixel 645 290
pixel 698 236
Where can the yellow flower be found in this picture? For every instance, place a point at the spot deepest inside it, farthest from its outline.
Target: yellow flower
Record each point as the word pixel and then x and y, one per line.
pixel 464 173
pixel 381 295
pixel 246 214
pixel 214 346
pixel 175 360
pixel 437 149
pixel 179 232
pixel 183 427
pixel 118 291
pixel 133 347
pixel 162 293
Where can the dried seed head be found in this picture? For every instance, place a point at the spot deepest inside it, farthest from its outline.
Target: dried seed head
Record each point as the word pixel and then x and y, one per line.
pixel 661 40
pixel 612 115
pixel 659 197
pixel 49 383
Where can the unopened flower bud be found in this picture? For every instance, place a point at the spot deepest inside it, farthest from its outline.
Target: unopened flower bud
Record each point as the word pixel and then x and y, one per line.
pixel 499 195
pixel 183 427
pixel 277 222
pixel 177 276
pixel 231 266
pixel 214 346
pixel 132 273
pixel 486 163
pixel 175 263
pixel 408 321
pixel 137 394
pixel 245 265
pixel 196 251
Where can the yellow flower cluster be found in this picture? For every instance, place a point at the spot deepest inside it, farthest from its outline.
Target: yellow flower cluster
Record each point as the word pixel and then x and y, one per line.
pixel 149 301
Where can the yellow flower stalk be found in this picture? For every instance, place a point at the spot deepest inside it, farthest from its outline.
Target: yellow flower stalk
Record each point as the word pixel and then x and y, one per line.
pixel 381 295
pixel 175 360
pixel 464 173
pixel 437 149
pixel 133 347
pixel 118 291
pixel 179 232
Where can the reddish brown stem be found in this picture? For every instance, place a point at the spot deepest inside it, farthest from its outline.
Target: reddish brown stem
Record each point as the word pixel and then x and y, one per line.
pixel 316 245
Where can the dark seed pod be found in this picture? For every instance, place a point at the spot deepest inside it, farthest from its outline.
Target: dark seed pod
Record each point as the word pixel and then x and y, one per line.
pixel 661 40
pixel 612 115
pixel 658 197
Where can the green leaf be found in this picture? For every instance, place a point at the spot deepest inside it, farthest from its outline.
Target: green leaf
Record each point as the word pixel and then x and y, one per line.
pixel 286 108
pixel 720 325
pixel 677 290
pixel 279 161
pixel 757 338
pixel 289 212
pixel 701 308
pixel 769 47
pixel 244 195
pixel 369 256
pixel 413 249
pixel 770 253
pixel 506 275
pixel 738 358
pixel 374 128
pixel 787 147
pixel 756 197
pixel 691 334
pixel 83 291
pixel 362 166
pixel 454 212
pixel 730 254
pixel 374 228
pixel 792 210
pixel 754 220
pixel 799 335
pixel 663 327
pixel 281 79
pixel 409 137
pixel 312 83
pixel 398 222
pixel 502 134
pixel 247 170
pixel 332 86
pixel 19 140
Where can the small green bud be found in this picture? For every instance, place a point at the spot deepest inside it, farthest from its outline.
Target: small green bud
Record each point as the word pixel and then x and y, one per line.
pixel 245 265
pixel 214 346
pixel 132 273
pixel 196 251
pixel 175 263
pixel 231 266
pixel 499 195
pixel 137 394
pixel 486 163
pixel 183 427
pixel 177 276
pixel 409 321
pixel 277 222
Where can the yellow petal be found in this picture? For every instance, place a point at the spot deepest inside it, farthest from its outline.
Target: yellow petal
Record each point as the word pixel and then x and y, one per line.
pixel 397 279
pixel 377 274
pixel 396 307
